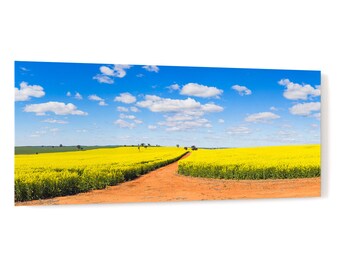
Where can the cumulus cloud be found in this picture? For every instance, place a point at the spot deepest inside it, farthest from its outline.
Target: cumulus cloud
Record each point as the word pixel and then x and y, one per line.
pixel 101 78
pixel 125 98
pixel 58 108
pixel 185 125
pixel 78 96
pixel 181 114
pixel 179 117
pixel 102 103
pixel 174 86
pixel 242 90
pixel 152 127
pixel 221 121
pixel 240 130
pixel 137 121
pixel 134 109
pixel 306 109
pixel 97 98
pixel 26 91
pixel 151 68
pixel 54 121
pixel 211 107
pixel 317 116
pixel 122 109
pixel 199 90
pixel 68 94
pixel 127 116
pixel 295 91
pixel 261 117
pixel 124 124
pixel 272 108
pixel 157 104
pixel 108 73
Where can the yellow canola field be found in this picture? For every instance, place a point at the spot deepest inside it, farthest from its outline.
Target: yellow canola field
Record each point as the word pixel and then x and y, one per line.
pixel 277 162
pixel 67 173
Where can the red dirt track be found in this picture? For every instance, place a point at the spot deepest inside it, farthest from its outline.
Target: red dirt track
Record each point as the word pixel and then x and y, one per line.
pixel 164 184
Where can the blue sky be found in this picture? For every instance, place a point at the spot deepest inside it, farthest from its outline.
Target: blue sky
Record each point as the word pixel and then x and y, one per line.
pixel 106 104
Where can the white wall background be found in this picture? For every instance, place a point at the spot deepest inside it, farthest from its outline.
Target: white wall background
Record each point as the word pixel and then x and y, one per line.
pixel 254 234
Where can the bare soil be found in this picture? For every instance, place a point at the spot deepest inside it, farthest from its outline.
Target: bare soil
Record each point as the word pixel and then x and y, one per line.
pixel 165 184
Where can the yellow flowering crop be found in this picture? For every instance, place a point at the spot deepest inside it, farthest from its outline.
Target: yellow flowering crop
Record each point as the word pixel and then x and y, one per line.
pixel 67 173
pixel 254 163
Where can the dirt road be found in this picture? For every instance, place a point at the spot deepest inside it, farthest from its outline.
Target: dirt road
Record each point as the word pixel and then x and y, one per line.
pixel 164 184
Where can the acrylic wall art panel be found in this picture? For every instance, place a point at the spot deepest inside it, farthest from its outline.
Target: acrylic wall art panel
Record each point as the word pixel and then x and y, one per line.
pixel 113 133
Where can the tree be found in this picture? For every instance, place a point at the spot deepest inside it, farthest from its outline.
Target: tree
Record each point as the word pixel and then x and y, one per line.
pixel 194 148
pixel 177 145
pixel 60 145
pixel 149 144
pixel 185 148
pixel 78 147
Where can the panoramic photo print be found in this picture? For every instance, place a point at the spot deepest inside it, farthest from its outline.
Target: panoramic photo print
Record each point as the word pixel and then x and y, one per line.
pixel 117 133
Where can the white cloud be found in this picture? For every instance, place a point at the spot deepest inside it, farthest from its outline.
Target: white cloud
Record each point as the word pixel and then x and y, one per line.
pixel 68 94
pixel 107 73
pixel 152 127
pixel 122 109
pixel 261 117
pixel 137 121
pixel 314 125
pixel 242 90
pixel 179 117
pixel 158 104
pixel 272 108
pixel 53 130
pixel 306 109
pixel 211 107
pixel 127 116
pixel 182 114
pixel 221 121
pixel 124 124
pixel 102 103
pixel 27 91
pixel 198 90
pixel 317 116
pixel 97 98
pixel 174 87
pixel 58 108
pixel 101 78
pixel 186 125
pixel 238 130
pixel 151 68
pixel 295 91
pixel 78 96
pixel 54 121
pixel 134 109
pixel 140 75
pixel 126 98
